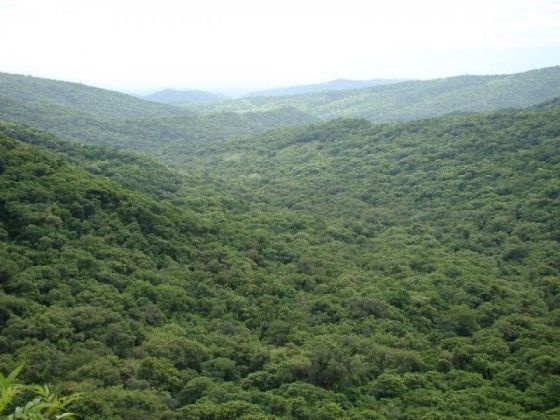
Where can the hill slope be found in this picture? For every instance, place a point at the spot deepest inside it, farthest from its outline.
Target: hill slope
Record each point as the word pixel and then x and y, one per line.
pixel 338 270
pixel 96 116
pixel 414 99
pixel 78 254
pixel 126 168
pixel 53 95
pixel 168 96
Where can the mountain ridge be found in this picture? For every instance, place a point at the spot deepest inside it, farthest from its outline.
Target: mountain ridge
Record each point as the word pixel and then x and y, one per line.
pixel 169 96
pixel 333 85
pixel 410 100
pixel 103 117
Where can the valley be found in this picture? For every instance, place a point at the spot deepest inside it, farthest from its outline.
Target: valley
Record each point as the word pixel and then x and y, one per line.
pixel 321 256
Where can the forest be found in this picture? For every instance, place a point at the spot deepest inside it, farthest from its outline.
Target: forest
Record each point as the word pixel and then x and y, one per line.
pixel 158 262
pixel 409 100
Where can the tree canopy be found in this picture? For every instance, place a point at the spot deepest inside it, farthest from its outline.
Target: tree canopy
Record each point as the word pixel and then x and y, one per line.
pixel 341 269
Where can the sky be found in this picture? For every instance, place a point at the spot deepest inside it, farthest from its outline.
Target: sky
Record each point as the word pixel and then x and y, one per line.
pixel 242 45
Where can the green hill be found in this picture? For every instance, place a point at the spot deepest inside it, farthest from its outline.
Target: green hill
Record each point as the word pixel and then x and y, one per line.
pixel 127 168
pixel 101 117
pixel 414 99
pixel 338 270
pixel 58 95
pixel 77 253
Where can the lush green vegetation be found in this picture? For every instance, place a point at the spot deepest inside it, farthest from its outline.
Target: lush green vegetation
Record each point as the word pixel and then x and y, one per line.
pixel 102 117
pixel 20 401
pixel 56 97
pixel 337 270
pixel 342 269
pixel 413 99
pixel 71 245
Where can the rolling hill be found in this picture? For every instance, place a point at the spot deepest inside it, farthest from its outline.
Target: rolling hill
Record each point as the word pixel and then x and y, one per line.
pixel 413 99
pixel 102 117
pixel 127 168
pixel 58 97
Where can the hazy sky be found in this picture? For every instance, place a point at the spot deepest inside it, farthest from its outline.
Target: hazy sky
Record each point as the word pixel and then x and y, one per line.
pixel 138 45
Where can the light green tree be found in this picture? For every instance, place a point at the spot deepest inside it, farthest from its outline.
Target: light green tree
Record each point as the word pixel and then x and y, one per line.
pixel 42 405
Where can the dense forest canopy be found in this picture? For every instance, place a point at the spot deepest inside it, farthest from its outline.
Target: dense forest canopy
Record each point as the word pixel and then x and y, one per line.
pixel 290 269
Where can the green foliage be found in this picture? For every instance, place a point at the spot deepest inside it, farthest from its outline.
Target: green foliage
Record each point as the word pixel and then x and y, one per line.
pixel 388 384
pixel 411 99
pixel 18 401
pixel 337 270
pixel 101 117
pixel 127 168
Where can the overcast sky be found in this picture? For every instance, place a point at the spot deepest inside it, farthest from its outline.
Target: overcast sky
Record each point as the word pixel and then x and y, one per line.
pixel 141 45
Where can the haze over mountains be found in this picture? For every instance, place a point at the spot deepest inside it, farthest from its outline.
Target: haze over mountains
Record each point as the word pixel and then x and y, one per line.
pixel 122 120
pixel 197 96
pixel 167 96
pixel 339 84
pixel 326 255
pixel 98 116
pixel 413 99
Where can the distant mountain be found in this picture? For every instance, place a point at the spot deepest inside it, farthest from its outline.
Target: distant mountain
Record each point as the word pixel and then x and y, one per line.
pixel 168 96
pixel 413 99
pixel 338 84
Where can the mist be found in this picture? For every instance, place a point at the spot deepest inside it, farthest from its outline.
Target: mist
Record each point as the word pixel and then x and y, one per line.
pixel 142 46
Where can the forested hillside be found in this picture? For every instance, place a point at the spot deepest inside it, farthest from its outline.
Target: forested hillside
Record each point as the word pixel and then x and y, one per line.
pixel 413 99
pixel 336 270
pixel 101 117
pixel 123 166
pixel 56 96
